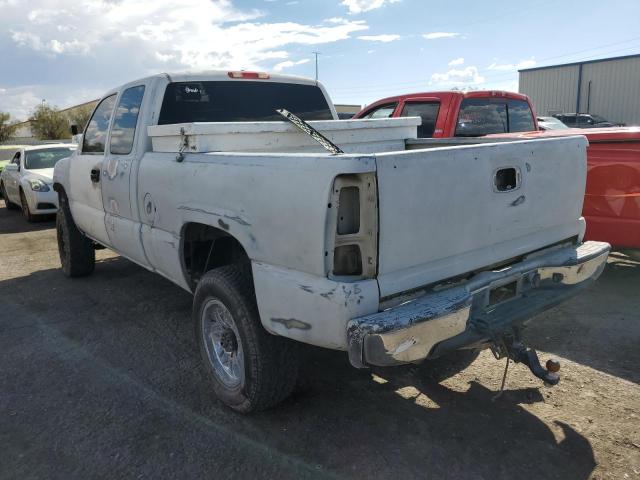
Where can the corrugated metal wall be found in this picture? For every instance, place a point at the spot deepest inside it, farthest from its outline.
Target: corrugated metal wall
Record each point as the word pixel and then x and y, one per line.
pixel 610 88
pixel 552 90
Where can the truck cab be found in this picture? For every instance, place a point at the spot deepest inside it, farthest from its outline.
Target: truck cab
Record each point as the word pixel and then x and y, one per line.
pixel 459 114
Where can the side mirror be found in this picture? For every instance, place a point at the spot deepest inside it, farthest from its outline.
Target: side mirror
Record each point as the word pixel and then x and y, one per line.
pixel 12 167
pixel 74 130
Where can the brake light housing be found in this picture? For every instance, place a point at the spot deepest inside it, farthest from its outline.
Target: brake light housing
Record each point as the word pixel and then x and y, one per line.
pixel 352 233
pixel 249 75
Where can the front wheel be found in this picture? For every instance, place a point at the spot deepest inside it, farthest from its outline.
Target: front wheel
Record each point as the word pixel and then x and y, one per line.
pixel 250 369
pixel 77 255
pixel 25 208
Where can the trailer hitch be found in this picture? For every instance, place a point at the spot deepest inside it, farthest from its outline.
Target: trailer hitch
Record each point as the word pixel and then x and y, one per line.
pixel 515 350
pixel 519 353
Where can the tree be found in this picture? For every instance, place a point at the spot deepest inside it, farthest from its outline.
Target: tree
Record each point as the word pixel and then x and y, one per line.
pixel 48 123
pixel 7 127
pixel 80 115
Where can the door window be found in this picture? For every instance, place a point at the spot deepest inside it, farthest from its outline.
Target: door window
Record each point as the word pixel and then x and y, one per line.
pixel 384 111
pixel 95 135
pixel 428 111
pixel 16 158
pixel 125 120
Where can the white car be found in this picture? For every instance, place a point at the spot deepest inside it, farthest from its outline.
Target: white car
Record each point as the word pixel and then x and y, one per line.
pixel 26 182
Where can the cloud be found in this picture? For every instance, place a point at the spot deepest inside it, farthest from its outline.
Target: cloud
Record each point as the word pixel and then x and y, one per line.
pixel 278 67
pixel 458 77
pixel 456 61
pixel 512 66
pixel 142 37
pixel 379 38
pixel 219 36
pixel 360 6
pixel 52 46
pixel 436 35
pixel 20 101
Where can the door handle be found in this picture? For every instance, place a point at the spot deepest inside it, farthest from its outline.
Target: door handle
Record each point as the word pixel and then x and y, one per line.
pixel 95 175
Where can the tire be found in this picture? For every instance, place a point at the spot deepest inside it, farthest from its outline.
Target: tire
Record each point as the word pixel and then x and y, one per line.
pixel 10 205
pixel 262 368
pixel 77 255
pixel 26 211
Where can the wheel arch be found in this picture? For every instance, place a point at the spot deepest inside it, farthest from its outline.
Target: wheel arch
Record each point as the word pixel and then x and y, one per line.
pixel 204 247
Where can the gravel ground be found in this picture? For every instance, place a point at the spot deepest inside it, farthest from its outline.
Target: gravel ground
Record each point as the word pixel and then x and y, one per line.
pixel 99 377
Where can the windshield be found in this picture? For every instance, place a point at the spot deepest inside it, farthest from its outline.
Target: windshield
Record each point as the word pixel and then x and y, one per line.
pixel 45 158
pixel 599 119
pixel 484 116
pixel 241 101
pixel 551 123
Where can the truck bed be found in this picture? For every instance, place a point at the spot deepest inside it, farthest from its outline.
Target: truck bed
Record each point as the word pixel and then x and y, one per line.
pixel 440 213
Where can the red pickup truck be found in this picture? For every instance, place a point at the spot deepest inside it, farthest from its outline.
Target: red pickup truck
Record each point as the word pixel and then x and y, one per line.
pixel 459 114
pixel 612 197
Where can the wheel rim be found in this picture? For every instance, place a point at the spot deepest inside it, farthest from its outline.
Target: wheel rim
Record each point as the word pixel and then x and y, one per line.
pixel 222 343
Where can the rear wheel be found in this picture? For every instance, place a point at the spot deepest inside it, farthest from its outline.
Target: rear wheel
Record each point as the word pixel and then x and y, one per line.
pixel 26 211
pixel 250 369
pixel 77 254
pixel 10 205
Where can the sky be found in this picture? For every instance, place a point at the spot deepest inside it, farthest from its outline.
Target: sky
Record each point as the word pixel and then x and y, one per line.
pixel 70 51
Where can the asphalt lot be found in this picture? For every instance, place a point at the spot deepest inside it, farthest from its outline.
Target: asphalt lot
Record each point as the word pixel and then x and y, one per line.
pixel 99 377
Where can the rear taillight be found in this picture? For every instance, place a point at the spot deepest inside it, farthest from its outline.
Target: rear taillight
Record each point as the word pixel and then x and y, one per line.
pixel 254 75
pixel 353 227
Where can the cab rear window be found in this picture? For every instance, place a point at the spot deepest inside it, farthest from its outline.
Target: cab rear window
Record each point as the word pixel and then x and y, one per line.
pixel 484 116
pixel 240 101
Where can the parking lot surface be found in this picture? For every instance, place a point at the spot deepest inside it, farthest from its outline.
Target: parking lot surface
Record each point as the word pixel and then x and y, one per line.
pixel 100 378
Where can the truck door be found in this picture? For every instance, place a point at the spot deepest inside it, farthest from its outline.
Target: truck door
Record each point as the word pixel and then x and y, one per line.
pixel 85 194
pixel 118 187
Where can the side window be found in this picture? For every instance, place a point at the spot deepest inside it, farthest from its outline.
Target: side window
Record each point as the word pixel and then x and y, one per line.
pixel 428 111
pixel 384 111
pixel 16 158
pixel 520 116
pixel 481 116
pixel 95 135
pixel 569 119
pixel 125 120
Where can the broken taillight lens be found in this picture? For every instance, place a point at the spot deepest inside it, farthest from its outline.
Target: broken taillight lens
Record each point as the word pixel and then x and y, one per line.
pixel 353 237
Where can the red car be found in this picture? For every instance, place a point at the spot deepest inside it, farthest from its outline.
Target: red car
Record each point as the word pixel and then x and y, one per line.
pixel 612 198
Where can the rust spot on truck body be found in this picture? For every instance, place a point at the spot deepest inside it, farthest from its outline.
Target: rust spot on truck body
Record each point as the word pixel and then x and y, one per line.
pixel 290 323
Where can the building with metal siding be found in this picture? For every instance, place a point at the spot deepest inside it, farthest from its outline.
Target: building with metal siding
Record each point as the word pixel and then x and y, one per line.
pixel 609 87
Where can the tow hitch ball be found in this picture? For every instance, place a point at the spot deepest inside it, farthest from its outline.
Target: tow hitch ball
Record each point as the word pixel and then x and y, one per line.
pixel 519 353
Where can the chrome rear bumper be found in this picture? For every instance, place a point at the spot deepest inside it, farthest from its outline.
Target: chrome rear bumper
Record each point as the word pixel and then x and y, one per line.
pixel 491 302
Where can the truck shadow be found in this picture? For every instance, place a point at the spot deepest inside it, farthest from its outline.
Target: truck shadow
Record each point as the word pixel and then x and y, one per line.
pixel 106 369
pixel 12 221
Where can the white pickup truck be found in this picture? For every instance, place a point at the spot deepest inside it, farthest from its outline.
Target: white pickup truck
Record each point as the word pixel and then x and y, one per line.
pixel 397 251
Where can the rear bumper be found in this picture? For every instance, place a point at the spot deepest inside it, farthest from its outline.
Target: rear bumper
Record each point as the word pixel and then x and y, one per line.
pixel 472 313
